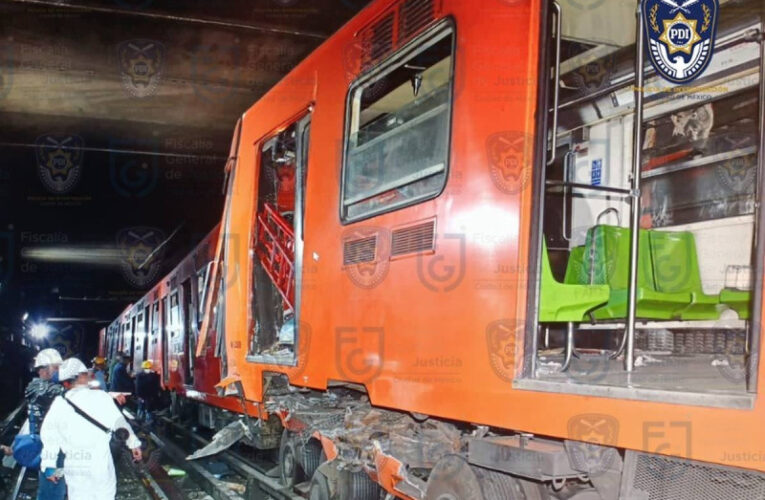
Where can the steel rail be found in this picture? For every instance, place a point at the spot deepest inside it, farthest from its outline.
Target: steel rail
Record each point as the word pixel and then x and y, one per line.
pixel 241 465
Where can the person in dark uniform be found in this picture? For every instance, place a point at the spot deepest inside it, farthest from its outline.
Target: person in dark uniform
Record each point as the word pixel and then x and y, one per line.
pixel 147 388
pixel 120 380
pixel 39 396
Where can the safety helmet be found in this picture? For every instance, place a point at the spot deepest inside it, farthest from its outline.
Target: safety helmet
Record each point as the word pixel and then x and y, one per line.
pixel 71 368
pixel 47 357
pixel 146 364
pixel 98 360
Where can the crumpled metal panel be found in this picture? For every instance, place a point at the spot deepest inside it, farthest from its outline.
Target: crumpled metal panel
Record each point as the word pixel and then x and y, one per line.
pixel 355 427
pixel 223 439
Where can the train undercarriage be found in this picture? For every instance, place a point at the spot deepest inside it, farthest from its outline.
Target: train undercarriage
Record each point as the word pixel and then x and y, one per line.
pixel 336 445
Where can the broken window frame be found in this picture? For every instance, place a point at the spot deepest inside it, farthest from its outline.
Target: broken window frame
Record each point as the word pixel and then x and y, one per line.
pixel 397 60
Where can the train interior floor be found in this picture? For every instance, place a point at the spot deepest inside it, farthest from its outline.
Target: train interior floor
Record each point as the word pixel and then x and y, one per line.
pixel 705 367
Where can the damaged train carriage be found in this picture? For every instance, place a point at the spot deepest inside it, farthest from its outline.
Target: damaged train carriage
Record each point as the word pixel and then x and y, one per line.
pixel 451 267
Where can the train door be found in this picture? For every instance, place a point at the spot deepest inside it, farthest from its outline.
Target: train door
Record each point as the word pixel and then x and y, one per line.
pixel 139 334
pixel 145 330
pixel 155 327
pixel 203 284
pixel 647 262
pixel 166 332
pixel 278 245
pixel 175 337
pixel 127 337
pixel 110 342
pixel 118 335
pixel 189 329
pixel 102 342
pixel 114 340
pixel 133 335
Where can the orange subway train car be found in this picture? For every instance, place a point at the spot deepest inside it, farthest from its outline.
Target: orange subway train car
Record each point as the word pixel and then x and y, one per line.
pixel 450 266
pixel 162 327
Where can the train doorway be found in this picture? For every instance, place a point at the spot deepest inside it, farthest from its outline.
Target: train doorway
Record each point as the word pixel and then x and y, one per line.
pixel 671 315
pixel 278 245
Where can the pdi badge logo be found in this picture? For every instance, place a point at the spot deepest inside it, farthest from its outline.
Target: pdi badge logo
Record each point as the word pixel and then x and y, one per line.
pixel 508 152
pixel 141 254
pixel 366 255
pixel 141 63
pixel 593 436
pixel 680 36
pixel 59 161
pixel 501 341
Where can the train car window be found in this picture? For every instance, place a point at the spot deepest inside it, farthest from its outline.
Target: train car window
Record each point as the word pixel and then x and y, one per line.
pixel 114 340
pixel 166 332
pixel 110 342
pixel 700 162
pixel 126 337
pixel 138 340
pixel 203 277
pixel 175 311
pixel 133 332
pixel 189 332
pixel 397 141
pixel 145 330
pixel 154 322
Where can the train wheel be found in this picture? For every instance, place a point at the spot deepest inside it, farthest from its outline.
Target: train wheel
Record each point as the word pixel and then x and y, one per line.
pixel 313 456
pixel 453 479
pixel 499 486
pixel 289 465
pixel 319 489
pixel 358 486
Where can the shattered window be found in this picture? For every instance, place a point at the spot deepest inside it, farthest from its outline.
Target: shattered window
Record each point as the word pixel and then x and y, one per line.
pixel 398 138
pixel 700 162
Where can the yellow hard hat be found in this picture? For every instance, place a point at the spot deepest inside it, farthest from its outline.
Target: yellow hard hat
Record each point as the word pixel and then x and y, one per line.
pixel 98 360
pixel 146 364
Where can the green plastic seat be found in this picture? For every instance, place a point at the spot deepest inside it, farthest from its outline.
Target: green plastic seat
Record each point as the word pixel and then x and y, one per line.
pixel 564 302
pixel 676 269
pixel 738 300
pixel 608 251
pixel 576 268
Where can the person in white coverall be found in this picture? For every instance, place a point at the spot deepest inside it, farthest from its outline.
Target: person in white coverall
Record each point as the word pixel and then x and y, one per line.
pixel 88 467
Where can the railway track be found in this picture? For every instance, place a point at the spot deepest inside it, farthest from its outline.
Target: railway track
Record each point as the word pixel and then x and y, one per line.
pixel 228 475
pixel 164 473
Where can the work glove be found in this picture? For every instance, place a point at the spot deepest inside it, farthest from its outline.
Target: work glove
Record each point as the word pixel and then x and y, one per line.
pixel 53 474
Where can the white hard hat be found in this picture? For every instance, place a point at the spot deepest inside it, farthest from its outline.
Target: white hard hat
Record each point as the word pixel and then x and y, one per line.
pixel 71 368
pixel 47 357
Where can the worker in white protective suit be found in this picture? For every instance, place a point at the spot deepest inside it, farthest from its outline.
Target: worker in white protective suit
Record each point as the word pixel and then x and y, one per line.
pixel 80 423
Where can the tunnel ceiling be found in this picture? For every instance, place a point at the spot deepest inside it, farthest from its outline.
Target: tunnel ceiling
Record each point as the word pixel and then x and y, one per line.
pixel 141 97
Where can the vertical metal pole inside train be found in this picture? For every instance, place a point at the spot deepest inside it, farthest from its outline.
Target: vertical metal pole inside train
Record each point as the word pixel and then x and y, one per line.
pixel 637 142
pixel 754 331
